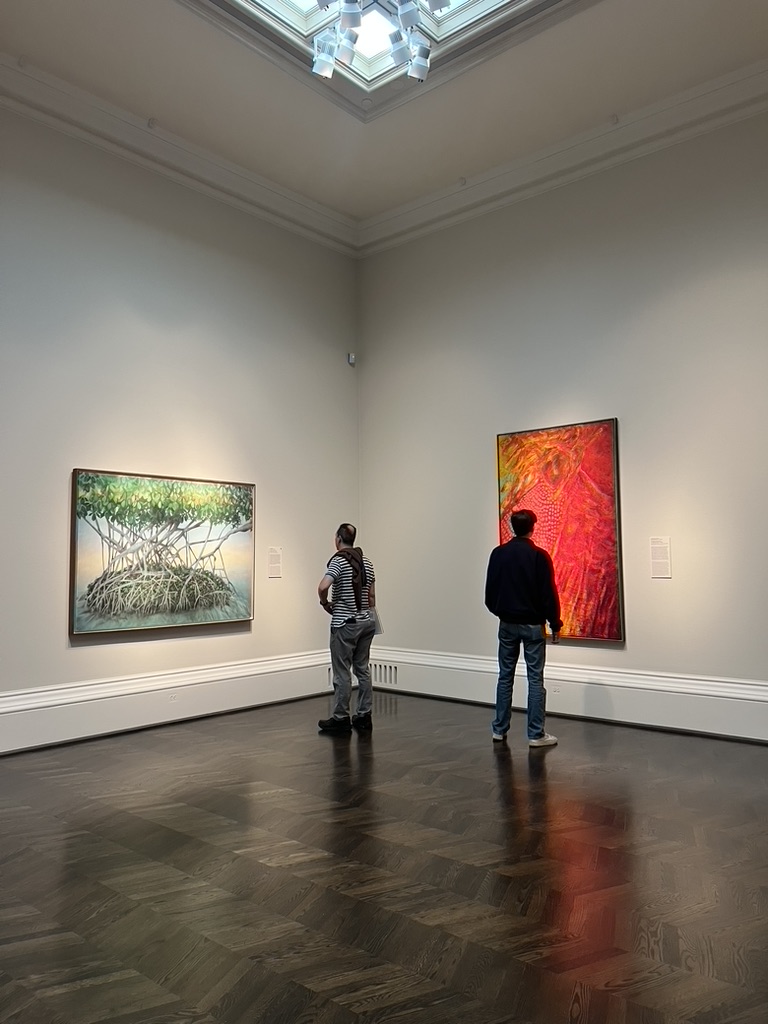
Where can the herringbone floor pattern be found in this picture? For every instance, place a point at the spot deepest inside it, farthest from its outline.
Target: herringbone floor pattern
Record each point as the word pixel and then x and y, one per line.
pixel 244 869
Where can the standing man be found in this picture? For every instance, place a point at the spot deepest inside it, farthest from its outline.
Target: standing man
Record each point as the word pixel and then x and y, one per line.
pixel 353 580
pixel 520 589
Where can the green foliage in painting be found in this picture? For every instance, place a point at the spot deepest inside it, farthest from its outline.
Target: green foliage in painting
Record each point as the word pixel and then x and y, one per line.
pixel 140 503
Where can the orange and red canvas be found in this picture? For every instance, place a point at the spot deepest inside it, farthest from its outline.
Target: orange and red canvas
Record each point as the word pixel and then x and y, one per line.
pixel 568 477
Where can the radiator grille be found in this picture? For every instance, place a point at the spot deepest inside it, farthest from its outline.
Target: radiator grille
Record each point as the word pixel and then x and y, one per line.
pixel 383 674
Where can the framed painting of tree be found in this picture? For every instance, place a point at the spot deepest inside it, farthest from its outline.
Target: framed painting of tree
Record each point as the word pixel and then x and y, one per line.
pixel 150 552
pixel 568 476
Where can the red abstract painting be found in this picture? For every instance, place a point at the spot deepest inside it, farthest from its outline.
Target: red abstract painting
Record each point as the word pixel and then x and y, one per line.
pixel 568 477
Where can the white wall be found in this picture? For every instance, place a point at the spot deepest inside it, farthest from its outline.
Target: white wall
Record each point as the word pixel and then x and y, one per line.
pixel 641 293
pixel 147 329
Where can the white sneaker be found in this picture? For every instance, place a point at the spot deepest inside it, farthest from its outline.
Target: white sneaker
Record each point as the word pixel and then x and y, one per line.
pixel 498 737
pixel 544 741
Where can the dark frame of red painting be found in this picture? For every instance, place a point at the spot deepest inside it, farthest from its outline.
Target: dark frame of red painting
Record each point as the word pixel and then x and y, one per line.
pixel 569 477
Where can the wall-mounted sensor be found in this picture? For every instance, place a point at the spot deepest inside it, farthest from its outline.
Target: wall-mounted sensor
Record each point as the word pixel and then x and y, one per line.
pixel 351 358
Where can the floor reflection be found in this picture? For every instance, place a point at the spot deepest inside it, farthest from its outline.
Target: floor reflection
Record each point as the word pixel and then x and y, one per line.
pixel 570 864
pixel 350 782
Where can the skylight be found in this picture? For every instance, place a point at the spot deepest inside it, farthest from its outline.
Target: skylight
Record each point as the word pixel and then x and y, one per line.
pixel 374 32
pixel 372 75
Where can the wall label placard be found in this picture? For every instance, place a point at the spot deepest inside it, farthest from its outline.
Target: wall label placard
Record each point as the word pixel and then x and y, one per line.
pixel 661 558
pixel 274 563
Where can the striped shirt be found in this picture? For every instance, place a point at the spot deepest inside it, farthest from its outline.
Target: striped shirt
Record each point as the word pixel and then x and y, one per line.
pixel 343 595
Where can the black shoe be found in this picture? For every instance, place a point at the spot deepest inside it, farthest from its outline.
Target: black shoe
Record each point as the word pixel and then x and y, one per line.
pixel 334 725
pixel 362 722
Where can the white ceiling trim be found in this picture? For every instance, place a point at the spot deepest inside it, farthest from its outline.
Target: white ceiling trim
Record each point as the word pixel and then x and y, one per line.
pixel 720 102
pixel 44 98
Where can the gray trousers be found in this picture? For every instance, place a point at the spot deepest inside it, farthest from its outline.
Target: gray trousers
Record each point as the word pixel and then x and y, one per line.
pixel 350 652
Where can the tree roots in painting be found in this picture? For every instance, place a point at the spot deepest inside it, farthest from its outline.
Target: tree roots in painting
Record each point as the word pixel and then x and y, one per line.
pixel 147 591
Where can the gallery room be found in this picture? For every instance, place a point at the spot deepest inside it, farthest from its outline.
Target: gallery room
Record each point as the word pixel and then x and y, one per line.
pixel 338 295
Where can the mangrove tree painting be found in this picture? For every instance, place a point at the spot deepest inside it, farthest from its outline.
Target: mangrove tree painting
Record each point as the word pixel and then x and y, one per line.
pixel 568 477
pixel 151 552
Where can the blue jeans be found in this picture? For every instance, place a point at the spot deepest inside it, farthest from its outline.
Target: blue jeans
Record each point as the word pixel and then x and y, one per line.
pixel 511 635
pixel 350 651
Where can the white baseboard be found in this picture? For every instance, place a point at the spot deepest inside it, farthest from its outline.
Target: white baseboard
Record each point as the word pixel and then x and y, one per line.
pixel 721 707
pixel 57 714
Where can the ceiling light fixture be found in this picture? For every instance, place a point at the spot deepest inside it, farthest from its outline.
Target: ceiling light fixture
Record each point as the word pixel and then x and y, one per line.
pixel 346 51
pixel 408 48
pixel 351 13
pixel 408 13
pixel 326 48
pixel 419 68
pixel 399 50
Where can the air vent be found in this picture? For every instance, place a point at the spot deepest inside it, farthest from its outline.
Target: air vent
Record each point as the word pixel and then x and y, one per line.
pixel 383 674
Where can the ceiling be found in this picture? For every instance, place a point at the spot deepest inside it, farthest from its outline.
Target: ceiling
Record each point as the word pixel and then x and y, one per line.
pixel 593 68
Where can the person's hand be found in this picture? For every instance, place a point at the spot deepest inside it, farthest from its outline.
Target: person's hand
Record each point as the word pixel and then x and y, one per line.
pixel 555 638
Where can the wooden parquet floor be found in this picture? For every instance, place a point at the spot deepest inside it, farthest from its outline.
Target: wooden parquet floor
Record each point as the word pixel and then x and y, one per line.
pixel 244 869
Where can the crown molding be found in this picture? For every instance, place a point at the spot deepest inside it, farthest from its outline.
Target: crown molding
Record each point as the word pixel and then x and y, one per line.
pixel 41 97
pixel 44 98
pixel 723 101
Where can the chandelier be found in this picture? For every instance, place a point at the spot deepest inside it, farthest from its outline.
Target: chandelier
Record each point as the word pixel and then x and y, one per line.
pixel 408 47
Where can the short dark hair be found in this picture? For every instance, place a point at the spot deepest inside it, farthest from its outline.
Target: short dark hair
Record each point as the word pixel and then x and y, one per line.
pixel 346 533
pixel 522 521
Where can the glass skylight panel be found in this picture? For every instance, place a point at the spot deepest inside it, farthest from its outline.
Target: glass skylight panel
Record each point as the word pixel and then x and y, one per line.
pixel 374 32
